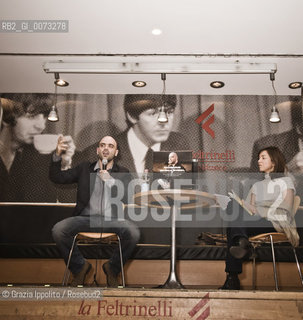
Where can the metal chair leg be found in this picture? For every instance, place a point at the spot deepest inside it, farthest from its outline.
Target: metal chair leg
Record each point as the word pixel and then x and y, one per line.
pixel 66 272
pixel 298 265
pixel 121 262
pixel 95 274
pixel 254 270
pixel 274 263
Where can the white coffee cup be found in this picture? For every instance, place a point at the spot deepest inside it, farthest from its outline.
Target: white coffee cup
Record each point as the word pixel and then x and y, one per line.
pixel 45 143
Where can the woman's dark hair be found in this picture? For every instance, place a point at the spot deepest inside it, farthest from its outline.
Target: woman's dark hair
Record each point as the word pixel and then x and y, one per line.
pixel 277 158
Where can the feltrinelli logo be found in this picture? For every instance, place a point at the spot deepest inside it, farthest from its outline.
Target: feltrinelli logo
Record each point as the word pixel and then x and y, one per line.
pixel 206 124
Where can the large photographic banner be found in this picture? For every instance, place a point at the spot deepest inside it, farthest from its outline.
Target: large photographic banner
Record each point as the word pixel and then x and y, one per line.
pixel 220 130
pixel 224 134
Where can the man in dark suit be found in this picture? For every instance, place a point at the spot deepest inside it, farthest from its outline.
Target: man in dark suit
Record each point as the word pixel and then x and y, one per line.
pixel 97 209
pixel 145 133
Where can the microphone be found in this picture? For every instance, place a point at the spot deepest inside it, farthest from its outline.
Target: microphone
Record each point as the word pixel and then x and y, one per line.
pixel 104 164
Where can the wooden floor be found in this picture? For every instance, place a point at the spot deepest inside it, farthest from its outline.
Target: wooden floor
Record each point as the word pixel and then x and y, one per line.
pixel 150 273
pixel 96 303
pixel 31 290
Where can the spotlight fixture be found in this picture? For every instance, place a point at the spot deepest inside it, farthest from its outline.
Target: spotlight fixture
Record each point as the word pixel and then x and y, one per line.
pixel 295 85
pixel 217 84
pixel 60 82
pixel 139 84
pixel 162 115
pixel 162 118
pixel 53 115
pixel 274 116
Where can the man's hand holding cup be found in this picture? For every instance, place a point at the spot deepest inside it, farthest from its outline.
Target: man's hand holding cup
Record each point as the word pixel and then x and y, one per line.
pixel 66 149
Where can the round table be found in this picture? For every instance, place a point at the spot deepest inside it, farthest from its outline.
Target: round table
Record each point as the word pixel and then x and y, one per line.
pixel 174 199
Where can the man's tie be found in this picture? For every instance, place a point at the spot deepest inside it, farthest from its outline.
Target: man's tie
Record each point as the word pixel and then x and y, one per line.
pixel 149 159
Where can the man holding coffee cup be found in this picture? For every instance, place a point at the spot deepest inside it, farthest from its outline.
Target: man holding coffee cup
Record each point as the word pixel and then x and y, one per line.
pixel 100 186
pixel 23 170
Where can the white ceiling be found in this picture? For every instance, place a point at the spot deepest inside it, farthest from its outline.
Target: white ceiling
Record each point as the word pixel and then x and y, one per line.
pixel 224 31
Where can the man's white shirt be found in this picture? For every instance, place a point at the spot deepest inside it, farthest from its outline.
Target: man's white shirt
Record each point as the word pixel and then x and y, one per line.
pixel 138 150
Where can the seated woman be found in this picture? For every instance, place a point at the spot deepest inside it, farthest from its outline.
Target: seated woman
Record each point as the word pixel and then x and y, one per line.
pixel 268 208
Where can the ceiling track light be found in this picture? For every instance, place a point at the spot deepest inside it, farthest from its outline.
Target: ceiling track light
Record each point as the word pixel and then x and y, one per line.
pixel 53 114
pixel 60 82
pixel 162 118
pixel 176 67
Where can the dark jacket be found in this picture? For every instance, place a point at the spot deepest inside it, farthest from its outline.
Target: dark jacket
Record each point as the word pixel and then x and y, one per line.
pixel 27 180
pixel 85 176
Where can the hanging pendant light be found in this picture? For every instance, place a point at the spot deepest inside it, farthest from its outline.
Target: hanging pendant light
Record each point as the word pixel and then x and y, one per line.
pixel 53 115
pixel 162 118
pixel 274 116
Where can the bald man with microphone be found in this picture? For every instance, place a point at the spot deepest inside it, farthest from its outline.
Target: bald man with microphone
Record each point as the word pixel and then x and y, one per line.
pixel 94 211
